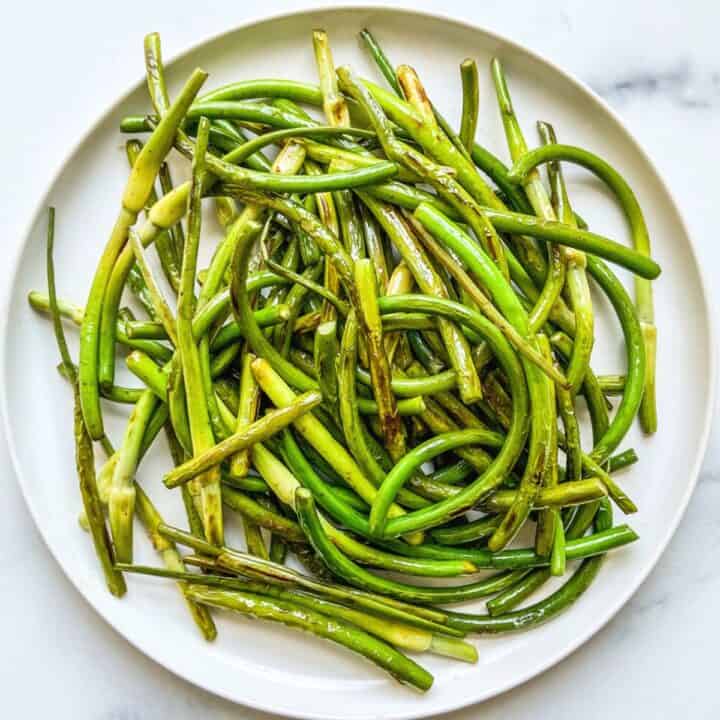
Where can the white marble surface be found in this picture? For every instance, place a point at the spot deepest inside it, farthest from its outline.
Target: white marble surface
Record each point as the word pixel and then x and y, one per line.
pixel 657 64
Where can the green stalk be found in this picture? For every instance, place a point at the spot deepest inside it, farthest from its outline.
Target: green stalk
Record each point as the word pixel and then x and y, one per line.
pixel 612 384
pixel 468 532
pixel 254 540
pixel 84 456
pixel 293 615
pixel 235 179
pixel 440 512
pixel 547 520
pixel 122 495
pixel 539 200
pixel 578 289
pixel 288 161
pixel 352 573
pixel 151 519
pixel 470 103
pixel 162 309
pixel 429 171
pixel 239 563
pixel 566 494
pixel 429 282
pixel 641 243
pixel 573 443
pixel 356 436
pixel 374 246
pixel 340 305
pixel 164 243
pixel 381 60
pixel 334 105
pixel 319 437
pixel 284 484
pixel 243 439
pixel 369 320
pixel 228 333
pixel 137 190
pixel 483 303
pixel 410 463
pixel 401 281
pixel 206 489
pixel 325 358
pixel 248 403
pixel 155 74
pixel 117 393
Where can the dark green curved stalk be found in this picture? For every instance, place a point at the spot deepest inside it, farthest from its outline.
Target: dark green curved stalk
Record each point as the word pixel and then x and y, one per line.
pixel 284 484
pixel 636 363
pixel 440 512
pixel 314 132
pixel 409 464
pixel 542 611
pixel 352 573
pixel 236 179
pixel 641 242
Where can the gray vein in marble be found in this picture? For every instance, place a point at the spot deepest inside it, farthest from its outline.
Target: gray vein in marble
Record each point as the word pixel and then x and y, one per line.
pixel 681 84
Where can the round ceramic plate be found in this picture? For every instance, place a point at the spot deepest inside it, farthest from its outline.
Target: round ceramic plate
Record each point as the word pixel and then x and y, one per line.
pixel 267 666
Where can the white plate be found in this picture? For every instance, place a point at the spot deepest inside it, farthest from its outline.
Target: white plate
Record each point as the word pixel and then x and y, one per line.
pixel 269 667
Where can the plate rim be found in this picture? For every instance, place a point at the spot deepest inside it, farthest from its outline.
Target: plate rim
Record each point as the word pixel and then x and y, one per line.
pixel 622 598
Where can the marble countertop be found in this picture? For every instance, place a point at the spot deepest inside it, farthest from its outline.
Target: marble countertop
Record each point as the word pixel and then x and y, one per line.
pixel 657 65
